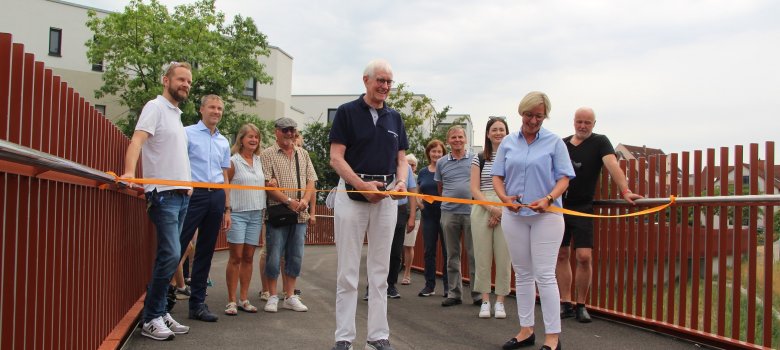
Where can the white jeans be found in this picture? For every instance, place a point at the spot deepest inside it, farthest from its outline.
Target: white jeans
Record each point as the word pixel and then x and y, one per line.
pixel 352 221
pixel 533 243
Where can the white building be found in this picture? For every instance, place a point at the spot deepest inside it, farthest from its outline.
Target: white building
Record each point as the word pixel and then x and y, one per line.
pixel 56 32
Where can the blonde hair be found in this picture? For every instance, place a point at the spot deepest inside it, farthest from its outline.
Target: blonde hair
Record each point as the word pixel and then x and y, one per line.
pixel 533 99
pixel 245 129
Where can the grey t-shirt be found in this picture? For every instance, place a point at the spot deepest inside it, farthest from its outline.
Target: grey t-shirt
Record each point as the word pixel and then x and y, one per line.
pixel 455 176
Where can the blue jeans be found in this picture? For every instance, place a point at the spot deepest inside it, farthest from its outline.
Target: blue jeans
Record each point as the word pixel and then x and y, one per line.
pixel 167 210
pixel 432 233
pixel 287 239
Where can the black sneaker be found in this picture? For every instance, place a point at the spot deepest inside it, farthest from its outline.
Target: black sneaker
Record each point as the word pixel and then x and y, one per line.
pixel 426 292
pixel 381 344
pixel 170 298
pixel 202 313
pixel 392 293
pixel 342 345
pixel 581 314
pixel 451 302
pixel 567 310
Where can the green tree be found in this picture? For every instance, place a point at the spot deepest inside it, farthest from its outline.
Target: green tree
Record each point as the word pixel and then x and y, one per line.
pixel 421 119
pixel 133 45
pixel 315 141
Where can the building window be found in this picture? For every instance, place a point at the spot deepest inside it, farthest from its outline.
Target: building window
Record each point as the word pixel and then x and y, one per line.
pixel 55 42
pixel 101 109
pixel 331 114
pixel 250 89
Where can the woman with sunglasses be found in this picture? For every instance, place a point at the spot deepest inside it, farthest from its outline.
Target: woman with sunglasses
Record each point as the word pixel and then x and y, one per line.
pixel 486 233
pixel 531 171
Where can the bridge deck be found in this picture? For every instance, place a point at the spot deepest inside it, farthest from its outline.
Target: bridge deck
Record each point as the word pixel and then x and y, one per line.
pixel 415 322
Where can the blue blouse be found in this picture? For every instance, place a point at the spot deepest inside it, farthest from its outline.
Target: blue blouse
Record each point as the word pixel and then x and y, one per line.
pixel 530 171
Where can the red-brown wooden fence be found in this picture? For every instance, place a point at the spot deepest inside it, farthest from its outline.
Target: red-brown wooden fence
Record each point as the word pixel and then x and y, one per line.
pixel 75 259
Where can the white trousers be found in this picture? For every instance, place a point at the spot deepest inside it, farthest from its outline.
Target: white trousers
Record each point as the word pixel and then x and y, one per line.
pixel 352 221
pixel 533 243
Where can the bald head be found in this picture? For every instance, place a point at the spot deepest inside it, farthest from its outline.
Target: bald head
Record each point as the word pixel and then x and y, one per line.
pixel 584 121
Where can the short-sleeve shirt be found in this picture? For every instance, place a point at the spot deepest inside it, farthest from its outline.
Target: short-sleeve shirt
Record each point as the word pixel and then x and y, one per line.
pixel 531 170
pixel 587 161
pixel 410 184
pixel 485 179
pixel 164 154
pixel 209 153
pixel 372 149
pixel 251 175
pixel 455 177
pixel 277 165
pixel 428 186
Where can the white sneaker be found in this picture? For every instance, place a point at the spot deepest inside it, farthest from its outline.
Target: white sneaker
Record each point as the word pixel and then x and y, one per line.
pixel 157 330
pixel 272 305
pixel 484 310
pixel 499 310
pixel 294 303
pixel 264 296
pixel 175 327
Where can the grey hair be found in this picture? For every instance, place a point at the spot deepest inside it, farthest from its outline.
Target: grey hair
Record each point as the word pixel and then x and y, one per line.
pixel 376 65
pixel 207 98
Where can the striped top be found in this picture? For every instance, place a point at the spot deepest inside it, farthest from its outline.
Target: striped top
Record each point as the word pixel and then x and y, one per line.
pixel 485 179
pixel 245 174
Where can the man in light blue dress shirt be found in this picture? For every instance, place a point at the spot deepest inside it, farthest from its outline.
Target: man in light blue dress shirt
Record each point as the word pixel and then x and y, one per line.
pixel 209 209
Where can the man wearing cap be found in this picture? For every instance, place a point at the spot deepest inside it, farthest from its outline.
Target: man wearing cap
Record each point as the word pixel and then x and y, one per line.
pixel 209 210
pixel 292 168
pixel 368 150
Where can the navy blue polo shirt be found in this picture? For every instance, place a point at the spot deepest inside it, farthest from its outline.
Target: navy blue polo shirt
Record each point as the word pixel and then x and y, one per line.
pixel 371 149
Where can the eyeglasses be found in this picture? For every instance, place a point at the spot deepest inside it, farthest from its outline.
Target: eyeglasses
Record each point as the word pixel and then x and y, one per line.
pixel 537 116
pixel 383 81
pixel 287 130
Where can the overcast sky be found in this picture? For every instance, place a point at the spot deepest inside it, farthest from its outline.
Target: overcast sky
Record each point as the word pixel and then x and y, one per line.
pixel 671 74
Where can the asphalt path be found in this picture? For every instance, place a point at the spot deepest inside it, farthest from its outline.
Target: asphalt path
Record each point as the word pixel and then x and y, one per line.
pixel 415 322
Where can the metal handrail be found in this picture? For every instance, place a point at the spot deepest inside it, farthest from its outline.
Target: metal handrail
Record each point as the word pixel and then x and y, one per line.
pixel 753 199
pixel 23 155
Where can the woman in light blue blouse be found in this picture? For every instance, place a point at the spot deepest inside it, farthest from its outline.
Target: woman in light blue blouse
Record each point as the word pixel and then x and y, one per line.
pixel 532 168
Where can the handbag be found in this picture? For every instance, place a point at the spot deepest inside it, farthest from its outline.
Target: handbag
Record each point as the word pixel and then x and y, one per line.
pixel 280 215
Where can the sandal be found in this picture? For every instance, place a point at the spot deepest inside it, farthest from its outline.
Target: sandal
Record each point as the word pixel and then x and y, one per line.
pixel 406 281
pixel 245 306
pixel 230 309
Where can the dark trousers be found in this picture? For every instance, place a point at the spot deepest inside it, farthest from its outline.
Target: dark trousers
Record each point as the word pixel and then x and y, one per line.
pixel 432 233
pixel 396 248
pixel 205 214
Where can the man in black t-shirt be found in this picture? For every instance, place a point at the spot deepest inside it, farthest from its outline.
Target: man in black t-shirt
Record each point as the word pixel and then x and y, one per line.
pixel 588 153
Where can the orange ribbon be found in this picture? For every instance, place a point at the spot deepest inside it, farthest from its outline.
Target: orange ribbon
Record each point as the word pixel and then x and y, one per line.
pixel 425 197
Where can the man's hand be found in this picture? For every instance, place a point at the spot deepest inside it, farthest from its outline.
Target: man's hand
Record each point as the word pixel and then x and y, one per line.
pixel 371 186
pixel 399 187
pixel 631 196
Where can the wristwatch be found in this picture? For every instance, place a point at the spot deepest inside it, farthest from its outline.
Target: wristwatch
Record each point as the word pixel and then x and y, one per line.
pixel 228 208
pixel 289 200
pixel 550 199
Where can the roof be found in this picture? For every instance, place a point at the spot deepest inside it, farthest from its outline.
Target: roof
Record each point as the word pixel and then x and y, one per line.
pixel 641 151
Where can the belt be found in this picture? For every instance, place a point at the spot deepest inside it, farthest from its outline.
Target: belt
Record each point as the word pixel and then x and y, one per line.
pixel 383 178
pixel 182 191
pixel 207 189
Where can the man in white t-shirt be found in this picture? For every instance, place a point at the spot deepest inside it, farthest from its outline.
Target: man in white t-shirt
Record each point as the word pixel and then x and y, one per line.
pixel 160 134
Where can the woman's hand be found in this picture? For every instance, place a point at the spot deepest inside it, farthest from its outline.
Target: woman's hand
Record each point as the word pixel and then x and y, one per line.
pixel 513 200
pixel 540 205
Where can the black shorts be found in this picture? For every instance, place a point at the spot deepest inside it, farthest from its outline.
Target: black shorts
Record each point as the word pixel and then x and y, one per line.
pixel 578 228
